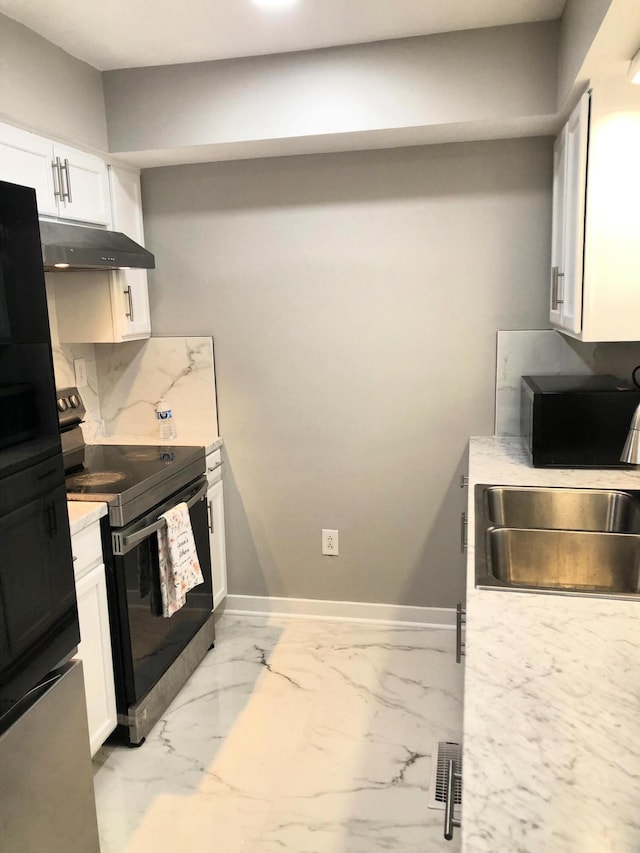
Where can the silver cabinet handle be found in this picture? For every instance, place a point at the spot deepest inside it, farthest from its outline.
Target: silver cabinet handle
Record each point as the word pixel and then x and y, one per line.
pixel 215 467
pixel 129 313
pixel 461 618
pixel 463 532
pixel 57 178
pixel 65 169
pixel 556 275
pixel 450 821
pixel 210 512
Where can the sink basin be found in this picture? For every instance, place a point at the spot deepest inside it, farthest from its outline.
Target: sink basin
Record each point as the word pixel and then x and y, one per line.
pixel 572 541
pixel 565 560
pixel 569 509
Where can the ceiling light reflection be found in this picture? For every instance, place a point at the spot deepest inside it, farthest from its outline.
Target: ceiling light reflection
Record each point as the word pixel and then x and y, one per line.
pixel 274 4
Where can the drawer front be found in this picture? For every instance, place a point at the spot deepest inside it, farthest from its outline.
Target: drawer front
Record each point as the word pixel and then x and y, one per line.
pixel 214 467
pixel 87 549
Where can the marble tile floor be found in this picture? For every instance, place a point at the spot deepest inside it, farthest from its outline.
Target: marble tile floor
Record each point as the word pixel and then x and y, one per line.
pixel 301 735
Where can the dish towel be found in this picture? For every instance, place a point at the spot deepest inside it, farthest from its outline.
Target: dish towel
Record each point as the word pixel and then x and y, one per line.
pixel 179 567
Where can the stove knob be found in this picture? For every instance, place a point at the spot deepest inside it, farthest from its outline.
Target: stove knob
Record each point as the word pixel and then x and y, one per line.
pixel 62 404
pixel 75 402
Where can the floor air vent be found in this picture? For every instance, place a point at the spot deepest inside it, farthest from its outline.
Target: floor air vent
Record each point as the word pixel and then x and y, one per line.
pixel 444 751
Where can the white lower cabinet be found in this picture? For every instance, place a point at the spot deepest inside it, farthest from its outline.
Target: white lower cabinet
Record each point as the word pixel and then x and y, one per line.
pixel 95 638
pixel 217 543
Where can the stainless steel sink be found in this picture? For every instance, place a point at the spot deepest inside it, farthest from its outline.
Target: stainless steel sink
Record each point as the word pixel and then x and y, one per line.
pixel 563 509
pixel 572 541
pixel 565 560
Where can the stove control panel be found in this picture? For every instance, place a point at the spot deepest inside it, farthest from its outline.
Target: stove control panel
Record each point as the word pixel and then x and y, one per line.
pixel 71 409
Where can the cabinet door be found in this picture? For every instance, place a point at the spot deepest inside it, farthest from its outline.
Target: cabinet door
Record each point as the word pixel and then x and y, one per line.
pixel 95 653
pixel 575 197
pixel 130 305
pixel 26 159
pixel 28 592
pixel 568 222
pixel 557 226
pixel 215 507
pixel 129 292
pixel 36 569
pixel 85 186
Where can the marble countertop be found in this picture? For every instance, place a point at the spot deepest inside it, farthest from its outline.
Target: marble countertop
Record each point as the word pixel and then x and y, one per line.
pixel 551 749
pixel 84 513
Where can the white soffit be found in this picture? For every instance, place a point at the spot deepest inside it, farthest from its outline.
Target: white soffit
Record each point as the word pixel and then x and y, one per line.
pixel 138 33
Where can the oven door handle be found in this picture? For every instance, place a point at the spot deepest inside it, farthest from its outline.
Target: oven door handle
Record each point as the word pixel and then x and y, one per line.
pixel 127 543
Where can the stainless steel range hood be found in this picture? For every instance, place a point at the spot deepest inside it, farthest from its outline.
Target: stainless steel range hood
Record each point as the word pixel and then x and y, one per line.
pixel 76 247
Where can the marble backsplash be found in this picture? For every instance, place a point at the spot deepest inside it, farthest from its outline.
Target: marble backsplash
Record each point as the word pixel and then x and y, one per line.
pixel 133 376
pixel 542 352
pixel 124 382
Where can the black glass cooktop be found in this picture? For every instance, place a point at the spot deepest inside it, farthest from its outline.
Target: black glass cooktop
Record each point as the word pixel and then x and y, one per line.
pixel 113 469
pixel 140 475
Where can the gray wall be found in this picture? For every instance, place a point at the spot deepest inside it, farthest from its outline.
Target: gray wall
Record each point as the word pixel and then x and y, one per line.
pixel 354 301
pixel 497 74
pixel 45 89
pixel 579 24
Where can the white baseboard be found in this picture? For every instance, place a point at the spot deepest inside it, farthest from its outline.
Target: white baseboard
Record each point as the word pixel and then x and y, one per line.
pixel 352 611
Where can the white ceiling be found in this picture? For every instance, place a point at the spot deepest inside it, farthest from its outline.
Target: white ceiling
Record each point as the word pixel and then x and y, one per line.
pixel 133 33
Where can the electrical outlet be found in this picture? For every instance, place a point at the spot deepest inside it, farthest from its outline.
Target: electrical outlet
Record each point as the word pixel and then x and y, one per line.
pixel 330 546
pixel 80 370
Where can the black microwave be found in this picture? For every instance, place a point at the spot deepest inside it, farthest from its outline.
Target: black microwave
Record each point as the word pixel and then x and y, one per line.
pixel 576 421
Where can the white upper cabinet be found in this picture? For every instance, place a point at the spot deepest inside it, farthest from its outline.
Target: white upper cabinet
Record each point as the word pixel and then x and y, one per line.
pixel 595 248
pixel 130 295
pixel 69 183
pixel 567 241
pixel 107 307
pixel 26 159
pixel 84 186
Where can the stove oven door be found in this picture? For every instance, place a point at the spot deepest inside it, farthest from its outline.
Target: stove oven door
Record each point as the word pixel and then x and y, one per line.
pixel 144 643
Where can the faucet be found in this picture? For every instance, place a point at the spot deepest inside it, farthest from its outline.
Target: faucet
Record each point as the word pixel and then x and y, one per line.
pixel 631 449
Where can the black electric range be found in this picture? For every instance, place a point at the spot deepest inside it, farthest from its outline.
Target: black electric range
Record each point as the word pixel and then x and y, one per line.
pixel 153 656
pixel 132 479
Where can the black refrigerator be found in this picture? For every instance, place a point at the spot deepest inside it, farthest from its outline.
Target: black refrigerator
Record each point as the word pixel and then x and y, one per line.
pixel 46 782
